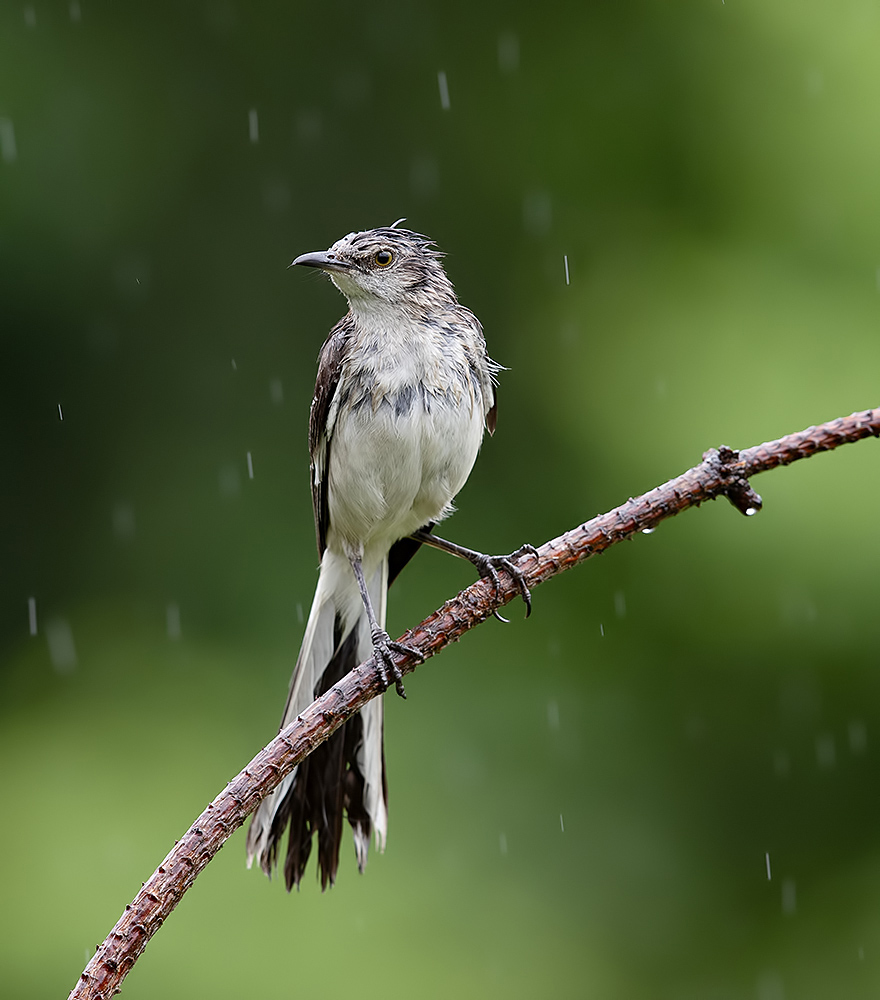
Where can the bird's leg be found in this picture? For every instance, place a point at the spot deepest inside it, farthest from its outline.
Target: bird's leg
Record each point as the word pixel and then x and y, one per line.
pixel 383 645
pixel 487 566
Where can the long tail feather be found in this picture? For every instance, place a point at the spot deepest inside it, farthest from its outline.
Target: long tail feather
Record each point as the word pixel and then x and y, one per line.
pixel 346 773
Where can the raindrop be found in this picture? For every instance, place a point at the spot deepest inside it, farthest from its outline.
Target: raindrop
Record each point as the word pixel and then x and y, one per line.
pixel 250 465
pixel 172 621
pixel 32 615
pixel 789 897
pixel 30 15
pixel 353 88
pixel 309 125
pixel 444 90
pixel 648 531
pixel 695 728
pixel 502 843
pixel 229 480
pixel 253 125
pixel 132 275
pixel 750 511
pixel 553 714
pixel 565 259
pixel 8 149
pixel 781 764
pixel 276 391
pixel 62 650
pixel 620 604
pixel 602 631
pixel 508 52
pixel 299 612
pixel 826 753
pixel 234 365
pixel 60 414
pixel 123 520
pixel 767 861
pixel 424 176
pixel 770 985
pixel 561 823
pixel 858 737
pixel 537 212
pixel 276 195
pixel 797 609
pixel 75 11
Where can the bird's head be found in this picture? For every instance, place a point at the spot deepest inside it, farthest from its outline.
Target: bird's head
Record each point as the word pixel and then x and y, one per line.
pixel 396 266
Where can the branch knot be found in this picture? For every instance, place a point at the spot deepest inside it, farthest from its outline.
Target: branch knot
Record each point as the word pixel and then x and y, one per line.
pixel 735 485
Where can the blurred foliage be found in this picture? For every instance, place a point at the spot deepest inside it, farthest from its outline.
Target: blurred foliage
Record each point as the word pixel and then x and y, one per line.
pixel 582 805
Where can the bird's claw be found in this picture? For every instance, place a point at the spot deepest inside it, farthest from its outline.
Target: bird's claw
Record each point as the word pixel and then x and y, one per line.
pixel 488 567
pixel 384 648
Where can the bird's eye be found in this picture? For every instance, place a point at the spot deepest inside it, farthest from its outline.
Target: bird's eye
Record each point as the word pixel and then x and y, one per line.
pixel 384 257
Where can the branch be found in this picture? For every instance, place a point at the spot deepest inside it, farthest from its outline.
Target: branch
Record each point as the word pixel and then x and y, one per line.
pixel 721 473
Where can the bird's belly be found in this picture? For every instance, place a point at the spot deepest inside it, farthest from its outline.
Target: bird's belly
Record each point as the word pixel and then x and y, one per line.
pixel 391 472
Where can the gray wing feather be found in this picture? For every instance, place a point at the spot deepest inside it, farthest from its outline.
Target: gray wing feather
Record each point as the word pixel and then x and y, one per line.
pixel 320 431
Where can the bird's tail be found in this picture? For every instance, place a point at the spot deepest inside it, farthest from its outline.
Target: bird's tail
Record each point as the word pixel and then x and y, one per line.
pixel 346 773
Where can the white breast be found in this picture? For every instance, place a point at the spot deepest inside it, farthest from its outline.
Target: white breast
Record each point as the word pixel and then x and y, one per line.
pixel 395 468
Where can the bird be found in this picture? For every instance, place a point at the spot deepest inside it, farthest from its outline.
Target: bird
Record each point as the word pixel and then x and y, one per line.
pixel 405 390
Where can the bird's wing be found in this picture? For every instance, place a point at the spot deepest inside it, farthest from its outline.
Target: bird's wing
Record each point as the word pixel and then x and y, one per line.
pixel 321 421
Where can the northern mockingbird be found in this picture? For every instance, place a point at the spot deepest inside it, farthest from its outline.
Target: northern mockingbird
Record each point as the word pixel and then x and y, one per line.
pixel 404 391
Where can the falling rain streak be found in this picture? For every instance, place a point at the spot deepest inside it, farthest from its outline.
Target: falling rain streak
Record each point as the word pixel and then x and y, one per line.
pixel 172 621
pixel 32 615
pixel 8 149
pixel 62 650
pixel 444 90
pixel 250 465
pixel 253 125
pixel 508 52
pixel 567 280
pixel 60 414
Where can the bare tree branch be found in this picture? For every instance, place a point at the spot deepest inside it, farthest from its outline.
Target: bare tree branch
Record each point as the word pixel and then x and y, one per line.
pixel 721 473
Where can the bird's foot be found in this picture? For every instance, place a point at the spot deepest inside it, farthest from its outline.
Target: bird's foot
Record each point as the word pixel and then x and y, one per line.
pixel 488 566
pixel 384 648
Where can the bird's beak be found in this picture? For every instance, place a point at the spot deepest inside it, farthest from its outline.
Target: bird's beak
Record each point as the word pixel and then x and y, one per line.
pixel 323 259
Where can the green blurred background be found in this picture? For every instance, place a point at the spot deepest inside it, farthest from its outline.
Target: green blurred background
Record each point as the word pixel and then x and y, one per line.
pixel 581 805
